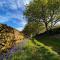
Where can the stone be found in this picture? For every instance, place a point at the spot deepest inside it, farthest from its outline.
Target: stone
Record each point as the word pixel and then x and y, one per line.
pixel 8 36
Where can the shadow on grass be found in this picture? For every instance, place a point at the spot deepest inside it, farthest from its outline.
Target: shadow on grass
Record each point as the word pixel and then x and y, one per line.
pixel 35 50
pixel 52 41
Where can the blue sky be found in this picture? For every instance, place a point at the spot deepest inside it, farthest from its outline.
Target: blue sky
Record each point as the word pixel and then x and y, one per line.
pixel 11 13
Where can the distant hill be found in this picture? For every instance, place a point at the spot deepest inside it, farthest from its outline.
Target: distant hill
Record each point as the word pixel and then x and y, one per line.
pixel 8 36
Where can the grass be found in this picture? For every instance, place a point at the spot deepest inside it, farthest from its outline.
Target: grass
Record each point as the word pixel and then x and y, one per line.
pixel 35 50
pixel 51 41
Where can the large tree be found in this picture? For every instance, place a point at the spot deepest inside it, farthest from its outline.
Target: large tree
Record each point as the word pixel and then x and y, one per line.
pixel 43 11
pixel 33 28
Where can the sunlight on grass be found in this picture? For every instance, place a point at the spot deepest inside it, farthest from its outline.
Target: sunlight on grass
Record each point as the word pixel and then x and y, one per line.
pixel 52 41
pixel 35 50
pixel 46 47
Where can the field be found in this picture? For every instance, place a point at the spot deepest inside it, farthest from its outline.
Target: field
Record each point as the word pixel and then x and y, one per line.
pixel 52 41
pixel 35 50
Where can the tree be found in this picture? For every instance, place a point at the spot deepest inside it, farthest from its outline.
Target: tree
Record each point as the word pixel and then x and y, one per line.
pixel 43 11
pixel 33 28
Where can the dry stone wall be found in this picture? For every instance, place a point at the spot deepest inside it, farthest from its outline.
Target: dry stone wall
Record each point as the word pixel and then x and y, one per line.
pixel 8 36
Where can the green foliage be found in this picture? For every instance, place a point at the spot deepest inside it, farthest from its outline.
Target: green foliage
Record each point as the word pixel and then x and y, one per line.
pixel 33 28
pixel 35 51
pixel 43 12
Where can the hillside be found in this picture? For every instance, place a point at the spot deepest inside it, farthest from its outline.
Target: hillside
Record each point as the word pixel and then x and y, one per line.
pixel 34 50
pixel 28 49
pixel 51 40
pixel 8 37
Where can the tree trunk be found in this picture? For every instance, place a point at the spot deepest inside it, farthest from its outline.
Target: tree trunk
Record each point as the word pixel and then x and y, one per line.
pixel 51 25
pixel 46 26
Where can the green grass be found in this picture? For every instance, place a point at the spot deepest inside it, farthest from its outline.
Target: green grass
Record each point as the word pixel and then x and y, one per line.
pixel 35 50
pixel 52 42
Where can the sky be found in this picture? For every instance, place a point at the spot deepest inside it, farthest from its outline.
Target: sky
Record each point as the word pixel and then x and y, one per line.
pixel 11 13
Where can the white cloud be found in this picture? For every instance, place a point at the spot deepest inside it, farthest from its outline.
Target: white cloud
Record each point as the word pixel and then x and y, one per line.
pixel 10 10
pixel 19 28
pixel 26 1
pixel 3 19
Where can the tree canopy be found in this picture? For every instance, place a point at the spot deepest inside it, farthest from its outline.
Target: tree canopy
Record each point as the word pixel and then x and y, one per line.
pixel 46 12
